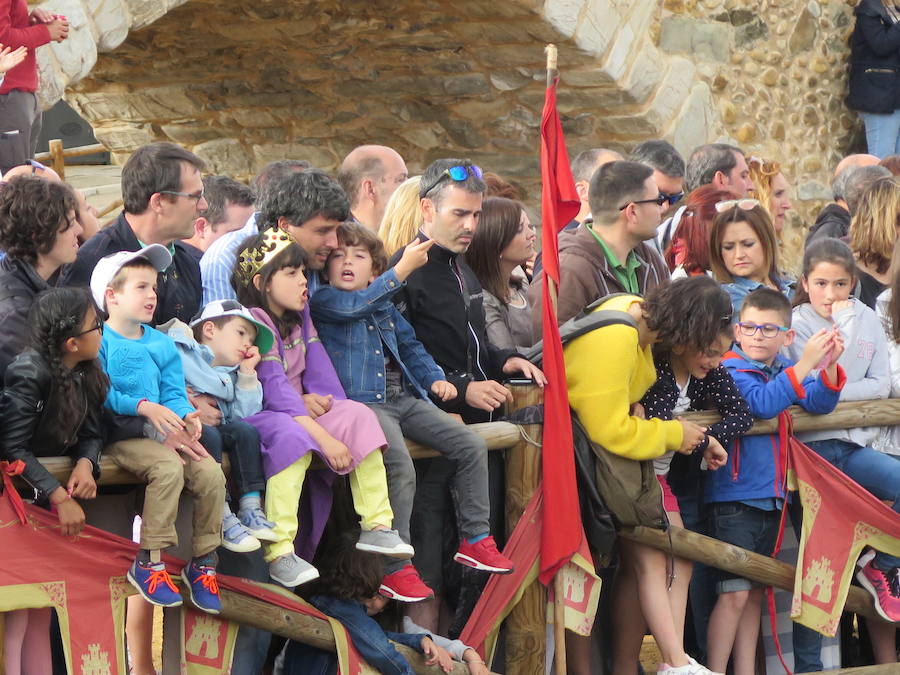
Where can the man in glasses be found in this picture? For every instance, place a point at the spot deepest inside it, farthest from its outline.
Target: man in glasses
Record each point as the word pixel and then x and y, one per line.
pixel 163 195
pixel 609 253
pixel 668 167
pixel 369 175
pixel 229 205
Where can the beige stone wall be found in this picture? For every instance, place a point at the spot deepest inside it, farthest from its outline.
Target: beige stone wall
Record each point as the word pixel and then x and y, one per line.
pixel 243 82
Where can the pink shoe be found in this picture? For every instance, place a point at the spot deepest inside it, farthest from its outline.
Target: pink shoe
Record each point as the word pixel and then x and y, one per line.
pixel 884 587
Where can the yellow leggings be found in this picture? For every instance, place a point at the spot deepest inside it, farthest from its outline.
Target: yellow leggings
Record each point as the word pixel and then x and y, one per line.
pixel 368 487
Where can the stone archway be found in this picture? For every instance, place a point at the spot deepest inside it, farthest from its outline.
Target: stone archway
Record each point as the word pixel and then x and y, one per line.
pixel 242 82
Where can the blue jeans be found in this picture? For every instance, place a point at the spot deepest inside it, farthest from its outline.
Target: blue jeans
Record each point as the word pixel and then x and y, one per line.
pixel 882 133
pixel 241 441
pixel 875 471
pixel 745 526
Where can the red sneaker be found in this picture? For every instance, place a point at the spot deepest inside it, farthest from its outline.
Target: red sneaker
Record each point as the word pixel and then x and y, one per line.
pixel 885 589
pixel 405 585
pixel 483 556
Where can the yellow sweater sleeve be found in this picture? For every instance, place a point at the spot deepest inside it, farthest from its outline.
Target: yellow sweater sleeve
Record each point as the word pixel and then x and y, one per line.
pixel 600 366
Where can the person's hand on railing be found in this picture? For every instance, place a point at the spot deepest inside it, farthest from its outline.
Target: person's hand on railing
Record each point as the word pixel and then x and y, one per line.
pixel 693 436
pixel 81 482
pixel 516 364
pixel 10 58
pixel 715 455
pixel 487 395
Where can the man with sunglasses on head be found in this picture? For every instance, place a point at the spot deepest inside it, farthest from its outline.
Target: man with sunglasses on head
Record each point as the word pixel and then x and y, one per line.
pixel 609 253
pixel 443 302
pixel 163 195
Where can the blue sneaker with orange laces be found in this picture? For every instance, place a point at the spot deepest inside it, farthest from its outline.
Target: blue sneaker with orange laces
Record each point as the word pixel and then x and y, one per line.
pixel 154 584
pixel 201 583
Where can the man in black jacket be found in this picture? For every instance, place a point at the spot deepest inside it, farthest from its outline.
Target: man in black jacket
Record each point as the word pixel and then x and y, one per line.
pixel 443 302
pixel 163 195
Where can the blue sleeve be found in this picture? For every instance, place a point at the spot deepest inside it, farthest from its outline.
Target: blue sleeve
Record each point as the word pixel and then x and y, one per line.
pixel 172 389
pixel 821 395
pixel 332 304
pixel 768 399
pixel 412 353
pixel 368 637
pixel 248 400
pixel 216 267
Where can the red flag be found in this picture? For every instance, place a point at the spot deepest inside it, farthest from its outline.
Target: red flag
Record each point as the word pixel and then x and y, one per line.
pixel 559 205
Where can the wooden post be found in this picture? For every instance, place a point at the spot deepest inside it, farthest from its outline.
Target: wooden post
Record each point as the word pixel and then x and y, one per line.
pixel 883 669
pixel 526 624
pixel 559 625
pixel 58 158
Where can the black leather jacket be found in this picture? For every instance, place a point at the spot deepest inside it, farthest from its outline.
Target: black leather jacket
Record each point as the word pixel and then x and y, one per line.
pixel 29 420
pixel 19 284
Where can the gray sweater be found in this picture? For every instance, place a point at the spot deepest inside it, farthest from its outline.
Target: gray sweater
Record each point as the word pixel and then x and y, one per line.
pixel 865 361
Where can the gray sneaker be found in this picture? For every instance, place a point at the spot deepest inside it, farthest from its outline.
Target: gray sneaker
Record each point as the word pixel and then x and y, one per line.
pixel 290 570
pixel 385 542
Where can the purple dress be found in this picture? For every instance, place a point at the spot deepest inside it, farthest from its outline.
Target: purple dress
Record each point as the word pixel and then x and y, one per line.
pixel 296 366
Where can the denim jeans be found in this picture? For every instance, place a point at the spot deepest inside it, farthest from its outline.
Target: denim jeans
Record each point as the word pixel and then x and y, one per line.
pixel 877 472
pixel 405 415
pixel 241 442
pixel 882 133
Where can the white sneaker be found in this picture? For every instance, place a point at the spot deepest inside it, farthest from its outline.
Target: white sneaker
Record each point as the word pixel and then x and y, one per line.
pixel 691 668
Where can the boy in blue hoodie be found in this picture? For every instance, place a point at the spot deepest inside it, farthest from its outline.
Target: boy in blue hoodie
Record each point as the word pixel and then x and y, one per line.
pixel 381 363
pixel 219 352
pixel 748 493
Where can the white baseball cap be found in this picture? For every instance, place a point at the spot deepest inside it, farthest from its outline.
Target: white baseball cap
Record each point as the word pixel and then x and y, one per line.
pixel 106 268
pixel 213 310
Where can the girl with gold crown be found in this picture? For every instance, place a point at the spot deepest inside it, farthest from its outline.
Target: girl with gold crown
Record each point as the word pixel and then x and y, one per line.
pixel 305 411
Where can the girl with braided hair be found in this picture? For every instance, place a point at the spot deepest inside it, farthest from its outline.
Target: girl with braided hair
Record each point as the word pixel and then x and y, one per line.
pixel 50 406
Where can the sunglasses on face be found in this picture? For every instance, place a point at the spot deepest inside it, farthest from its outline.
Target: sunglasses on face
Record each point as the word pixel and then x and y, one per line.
pixel 659 200
pixel 768 330
pixel 672 198
pixel 456 173
pixel 742 204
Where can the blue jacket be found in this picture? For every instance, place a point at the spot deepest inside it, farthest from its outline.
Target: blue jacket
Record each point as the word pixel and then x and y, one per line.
pixel 146 368
pixel 238 395
pixel 755 467
pixel 356 327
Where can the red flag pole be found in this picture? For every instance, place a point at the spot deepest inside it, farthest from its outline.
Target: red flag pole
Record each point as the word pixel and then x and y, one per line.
pixel 559 591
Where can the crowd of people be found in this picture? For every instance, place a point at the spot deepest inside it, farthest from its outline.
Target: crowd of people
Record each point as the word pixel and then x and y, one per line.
pixel 309 317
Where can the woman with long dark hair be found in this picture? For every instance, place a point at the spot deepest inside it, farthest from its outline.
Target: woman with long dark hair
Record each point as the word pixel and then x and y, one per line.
pixel 502 245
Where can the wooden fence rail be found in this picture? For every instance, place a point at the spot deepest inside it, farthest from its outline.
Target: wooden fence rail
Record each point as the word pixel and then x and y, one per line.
pixel 57 155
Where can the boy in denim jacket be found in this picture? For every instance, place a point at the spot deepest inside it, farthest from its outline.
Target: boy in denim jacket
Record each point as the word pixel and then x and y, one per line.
pixel 747 494
pixel 382 364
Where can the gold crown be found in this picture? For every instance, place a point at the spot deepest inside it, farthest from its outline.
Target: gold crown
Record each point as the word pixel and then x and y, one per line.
pixel 251 260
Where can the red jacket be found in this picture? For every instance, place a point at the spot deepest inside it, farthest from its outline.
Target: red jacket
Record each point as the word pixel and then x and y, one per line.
pixel 15 32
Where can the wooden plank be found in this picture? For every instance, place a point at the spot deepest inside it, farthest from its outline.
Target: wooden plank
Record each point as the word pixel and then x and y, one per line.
pixel 699 548
pixel 57 157
pixel 847 415
pixel 526 624
pixel 883 669
pixel 497 435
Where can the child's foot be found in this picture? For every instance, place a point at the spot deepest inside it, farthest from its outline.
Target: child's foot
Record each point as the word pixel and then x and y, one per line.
pixel 483 555
pixel 201 583
pixel 235 536
pixel 692 668
pixel 405 585
pixel 154 584
pixel 254 520
pixel 385 542
pixel 290 570
pixel 884 587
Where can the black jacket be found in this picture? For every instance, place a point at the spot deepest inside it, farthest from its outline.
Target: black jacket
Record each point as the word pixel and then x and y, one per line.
pixel 832 221
pixel 874 60
pixel 19 284
pixel 451 328
pixel 178 288
pixel 31 420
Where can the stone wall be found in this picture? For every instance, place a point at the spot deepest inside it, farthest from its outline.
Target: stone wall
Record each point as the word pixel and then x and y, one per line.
pixel 242 82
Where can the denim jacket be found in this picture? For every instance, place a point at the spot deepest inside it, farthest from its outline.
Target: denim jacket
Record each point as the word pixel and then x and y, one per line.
pixel 356 326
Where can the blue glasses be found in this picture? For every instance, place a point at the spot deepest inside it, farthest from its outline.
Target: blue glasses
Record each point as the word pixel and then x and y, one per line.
pixel 457 173
pixel 768 330
pixel 672 198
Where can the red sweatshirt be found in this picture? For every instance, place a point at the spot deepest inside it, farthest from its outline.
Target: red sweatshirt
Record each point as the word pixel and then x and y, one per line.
pixel 15 32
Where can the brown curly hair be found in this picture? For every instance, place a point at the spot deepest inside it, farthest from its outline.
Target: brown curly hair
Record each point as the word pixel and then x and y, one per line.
pixel 33 211
pixel 691 312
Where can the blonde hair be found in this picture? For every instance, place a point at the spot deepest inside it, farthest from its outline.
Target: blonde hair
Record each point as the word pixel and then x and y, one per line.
pixel 790 241
pixel 873 229
pixel 402 216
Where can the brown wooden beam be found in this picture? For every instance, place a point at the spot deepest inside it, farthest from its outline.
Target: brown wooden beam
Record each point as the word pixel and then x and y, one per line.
pixel 762 569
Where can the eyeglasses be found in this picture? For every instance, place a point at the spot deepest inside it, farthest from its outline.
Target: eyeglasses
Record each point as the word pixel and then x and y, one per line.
pixel 659 200
pixel 672 198
pixel 457 173
pixel 98 327
pixel 742 204
pixel 189 195
pixel 768 330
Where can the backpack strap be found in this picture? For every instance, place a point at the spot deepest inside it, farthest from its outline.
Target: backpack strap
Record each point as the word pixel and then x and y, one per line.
pixel 585 322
